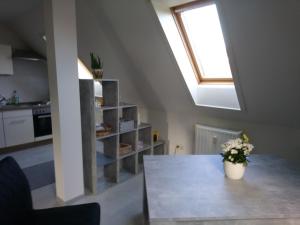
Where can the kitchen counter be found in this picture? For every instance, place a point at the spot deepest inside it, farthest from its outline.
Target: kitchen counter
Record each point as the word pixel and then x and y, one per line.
pixel 192 190
pixel 21 106
pixel 24 123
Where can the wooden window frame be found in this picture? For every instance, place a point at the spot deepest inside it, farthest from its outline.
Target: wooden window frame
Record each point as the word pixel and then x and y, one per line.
pixel 176 11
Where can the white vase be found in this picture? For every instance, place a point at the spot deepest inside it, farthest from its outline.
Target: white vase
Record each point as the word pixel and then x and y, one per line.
pixel 234 171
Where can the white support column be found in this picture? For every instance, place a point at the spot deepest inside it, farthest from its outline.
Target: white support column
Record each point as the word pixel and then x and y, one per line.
pixel 60 25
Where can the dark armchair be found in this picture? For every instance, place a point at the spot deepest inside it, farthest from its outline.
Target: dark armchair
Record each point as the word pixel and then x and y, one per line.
pixel 16 203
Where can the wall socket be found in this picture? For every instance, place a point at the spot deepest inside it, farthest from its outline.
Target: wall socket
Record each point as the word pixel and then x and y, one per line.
pixel 179 148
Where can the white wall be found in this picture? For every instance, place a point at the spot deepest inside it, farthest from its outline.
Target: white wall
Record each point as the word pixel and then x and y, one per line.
pixel 29 79
pixel 264 38
pixel 266 138
pixel 95 35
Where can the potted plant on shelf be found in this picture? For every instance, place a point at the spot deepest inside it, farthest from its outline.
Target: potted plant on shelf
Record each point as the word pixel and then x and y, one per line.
pixel 235 156
pixel 97 66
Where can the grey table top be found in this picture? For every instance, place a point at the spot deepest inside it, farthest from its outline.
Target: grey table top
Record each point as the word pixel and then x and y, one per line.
pixel 193 188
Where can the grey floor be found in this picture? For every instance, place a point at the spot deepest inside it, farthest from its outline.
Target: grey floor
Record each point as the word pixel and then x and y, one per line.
pixel 32 156
pixel 120 204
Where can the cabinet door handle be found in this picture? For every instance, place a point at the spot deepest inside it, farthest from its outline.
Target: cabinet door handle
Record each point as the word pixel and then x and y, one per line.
pixel 44 116
pixel 17 121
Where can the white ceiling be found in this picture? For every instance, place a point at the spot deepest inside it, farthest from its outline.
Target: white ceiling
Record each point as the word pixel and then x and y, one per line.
pixel 265 41
pixel 10 9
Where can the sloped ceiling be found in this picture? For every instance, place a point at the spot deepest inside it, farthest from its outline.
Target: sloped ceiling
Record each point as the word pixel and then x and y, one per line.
pixel 94 34
pixel 265 39
pixel 9 9
pixel 26 20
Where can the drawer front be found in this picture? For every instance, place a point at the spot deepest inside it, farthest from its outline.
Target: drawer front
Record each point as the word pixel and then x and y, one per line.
pixel 2 140
pixel 17 113
pixel 18 130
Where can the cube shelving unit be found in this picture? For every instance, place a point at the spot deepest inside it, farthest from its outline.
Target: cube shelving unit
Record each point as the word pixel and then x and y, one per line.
pixel 104 166
pixel 159 148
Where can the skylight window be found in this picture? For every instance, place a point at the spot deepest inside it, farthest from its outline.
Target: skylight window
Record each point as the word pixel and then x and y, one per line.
pixel 199 25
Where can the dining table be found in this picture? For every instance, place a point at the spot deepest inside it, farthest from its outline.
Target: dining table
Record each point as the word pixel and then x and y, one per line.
pixel 193 190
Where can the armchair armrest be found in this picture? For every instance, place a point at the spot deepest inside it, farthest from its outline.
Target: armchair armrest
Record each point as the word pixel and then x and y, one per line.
pixel 85 214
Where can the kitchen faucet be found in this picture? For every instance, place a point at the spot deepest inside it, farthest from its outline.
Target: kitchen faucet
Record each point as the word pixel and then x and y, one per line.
pixel 2 100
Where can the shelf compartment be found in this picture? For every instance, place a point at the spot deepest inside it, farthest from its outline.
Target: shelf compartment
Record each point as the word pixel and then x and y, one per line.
pixel 141 158
pixel 128 131
pixel 144 136
pixel 103 160
pixel 110 90
pixel 111 171
pixel 157 143
pixel 110 117
pixel 105 108
pixel 107 176
pixel 126 105
pixel 126 155
pixel 124 175
pixel 129 114
pixel 125 149
pixel 129 138
pixel 126 125
pixel 141 155
pixel 106 136
pixel 128 164
pixel 159 149
pixel 107 80
pixel 144 148
pixel 109 148
pixel 143 126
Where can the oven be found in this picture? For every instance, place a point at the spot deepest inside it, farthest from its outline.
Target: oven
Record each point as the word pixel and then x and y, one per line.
pixel 42 123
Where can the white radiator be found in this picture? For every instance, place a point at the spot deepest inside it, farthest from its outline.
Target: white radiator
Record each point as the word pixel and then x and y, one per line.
pixel 209 139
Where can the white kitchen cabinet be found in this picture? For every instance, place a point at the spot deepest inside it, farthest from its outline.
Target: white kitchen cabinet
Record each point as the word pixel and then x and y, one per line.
pixel 18 127
pixel 2 140
pixel 6 62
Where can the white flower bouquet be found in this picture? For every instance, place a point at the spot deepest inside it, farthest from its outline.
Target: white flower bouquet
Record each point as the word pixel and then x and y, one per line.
pixel 237 150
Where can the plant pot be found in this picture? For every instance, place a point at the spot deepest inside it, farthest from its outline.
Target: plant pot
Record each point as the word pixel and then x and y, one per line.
pixel 234 171
pixel 98 74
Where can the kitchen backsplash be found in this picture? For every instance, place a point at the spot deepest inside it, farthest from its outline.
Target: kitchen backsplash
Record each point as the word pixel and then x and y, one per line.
pixel 30 80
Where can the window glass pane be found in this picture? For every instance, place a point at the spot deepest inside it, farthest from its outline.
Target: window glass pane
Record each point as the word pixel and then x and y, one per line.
pixel 205 35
